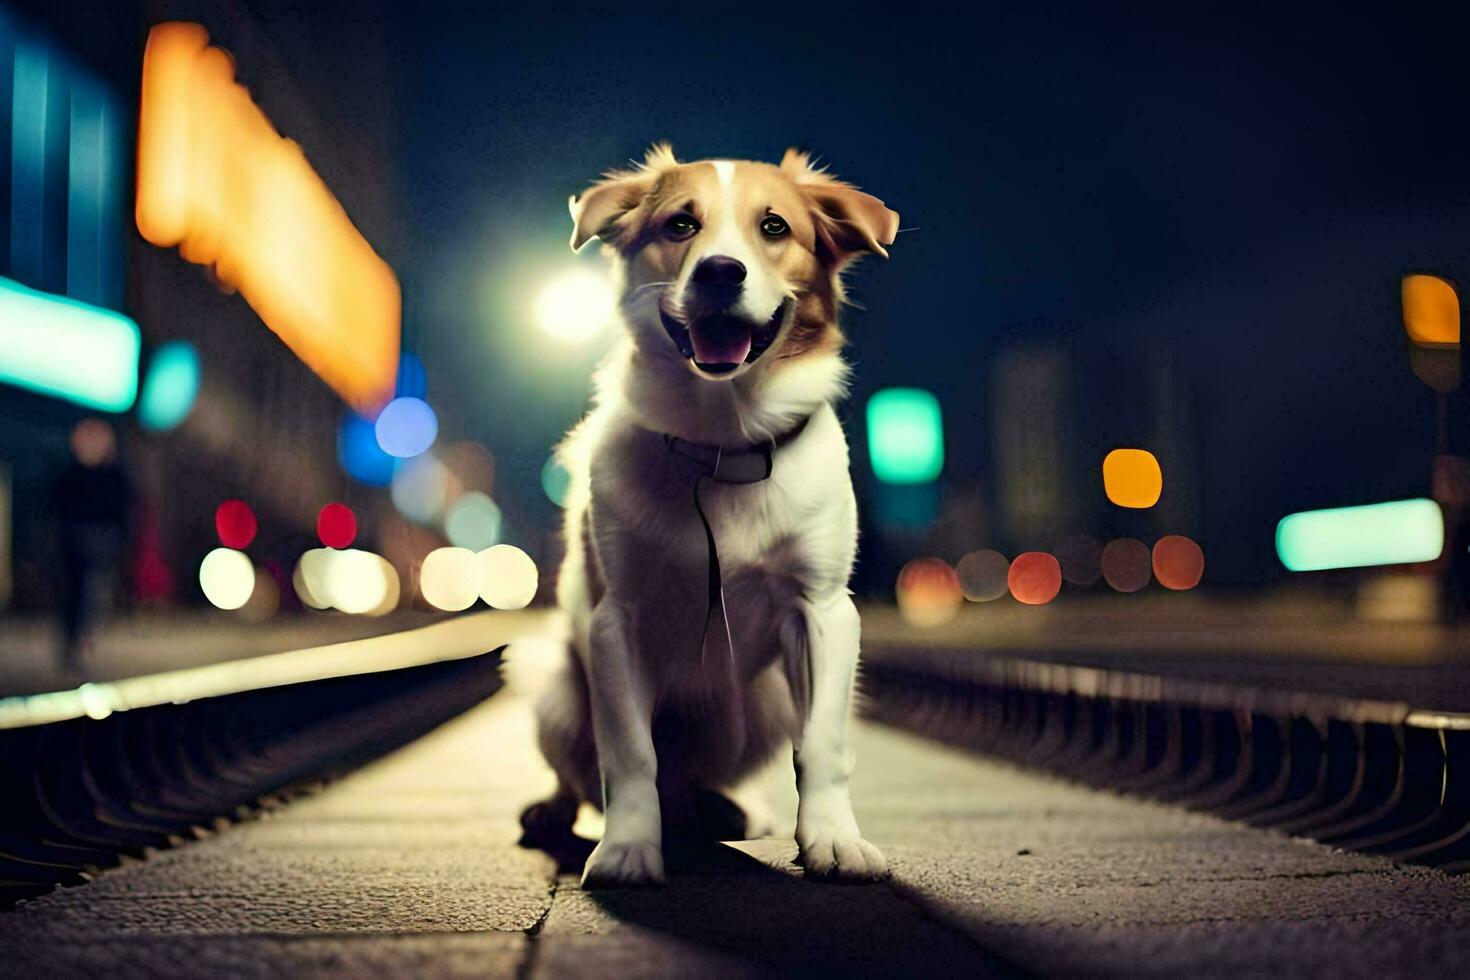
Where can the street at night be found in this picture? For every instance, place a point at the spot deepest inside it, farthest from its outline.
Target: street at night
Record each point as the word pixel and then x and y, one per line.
pixel 554 492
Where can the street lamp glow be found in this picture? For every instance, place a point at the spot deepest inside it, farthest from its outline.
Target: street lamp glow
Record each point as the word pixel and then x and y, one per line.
pixel 576 306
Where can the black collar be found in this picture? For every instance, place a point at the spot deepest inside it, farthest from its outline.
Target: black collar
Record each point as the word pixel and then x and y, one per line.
pixel 750 464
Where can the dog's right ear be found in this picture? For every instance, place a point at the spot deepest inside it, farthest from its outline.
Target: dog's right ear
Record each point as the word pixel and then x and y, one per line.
pixel 599 211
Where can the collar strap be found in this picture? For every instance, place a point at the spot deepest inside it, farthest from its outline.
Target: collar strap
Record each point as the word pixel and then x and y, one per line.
pixel 749 465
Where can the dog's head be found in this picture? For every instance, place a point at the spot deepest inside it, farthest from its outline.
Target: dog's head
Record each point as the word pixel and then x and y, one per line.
pixel 731 261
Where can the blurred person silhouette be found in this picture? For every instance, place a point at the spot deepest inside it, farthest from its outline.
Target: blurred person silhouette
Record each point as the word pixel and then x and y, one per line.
pixel 92 499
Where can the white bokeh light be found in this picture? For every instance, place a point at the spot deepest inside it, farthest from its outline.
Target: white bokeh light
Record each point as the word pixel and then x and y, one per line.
pixel 310 578
pixel 508 577
pixel 227 578
pixel 450 579
pixel 357 581
pixel 576 305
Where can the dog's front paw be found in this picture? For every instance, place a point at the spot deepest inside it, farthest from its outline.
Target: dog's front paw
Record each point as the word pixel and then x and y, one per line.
pixel 624 865
pixel 841 857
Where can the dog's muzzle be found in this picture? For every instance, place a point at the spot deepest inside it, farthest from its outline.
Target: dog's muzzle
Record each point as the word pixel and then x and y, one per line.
pixel 719 342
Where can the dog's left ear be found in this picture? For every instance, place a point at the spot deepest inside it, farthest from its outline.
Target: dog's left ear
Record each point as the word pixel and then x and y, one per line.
pixel 849 222
pixel 597 213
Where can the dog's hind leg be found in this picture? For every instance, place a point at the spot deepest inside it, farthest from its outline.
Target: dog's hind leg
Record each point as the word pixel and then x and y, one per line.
pixel 564 735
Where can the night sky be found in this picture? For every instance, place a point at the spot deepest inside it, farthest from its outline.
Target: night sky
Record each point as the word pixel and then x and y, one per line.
pixel 1237 193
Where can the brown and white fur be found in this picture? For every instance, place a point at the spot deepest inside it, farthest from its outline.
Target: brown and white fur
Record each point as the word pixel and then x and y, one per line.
pixel 651 707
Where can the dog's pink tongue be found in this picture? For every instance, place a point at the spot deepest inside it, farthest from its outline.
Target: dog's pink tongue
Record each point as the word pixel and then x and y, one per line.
pixel 720 340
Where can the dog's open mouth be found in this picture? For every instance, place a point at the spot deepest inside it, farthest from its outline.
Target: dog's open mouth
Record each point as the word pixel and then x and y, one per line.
pixel 718 343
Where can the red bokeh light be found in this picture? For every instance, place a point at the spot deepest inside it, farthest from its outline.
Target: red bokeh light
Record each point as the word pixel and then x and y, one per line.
pixel 1035 578
pixel 928 592
pixel 235 523
pixel 336 525
pixel 1179 563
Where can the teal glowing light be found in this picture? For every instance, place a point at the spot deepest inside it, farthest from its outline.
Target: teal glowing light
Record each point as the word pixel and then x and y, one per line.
pixel 473 522
pixel 1392 533
pixel 555 481
pixel 170 386
pixel 905 435
pixel 62 347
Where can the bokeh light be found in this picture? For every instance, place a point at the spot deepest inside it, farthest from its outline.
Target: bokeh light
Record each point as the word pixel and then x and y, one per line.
pixel 350 580
pixel 1132 478
pixel 1392 533
pixel 1179 563
pixel 905 435
pixel 235 523
pixel 473 522
pixel 420 488
pixel 508 577
pixel 577 305
pixel 336 525
pixel 406 427
pixel 392 593
pixel 928 592
pixel 227 578
pixel 982 575
pixel 1035 578
pixel 450 578
pixel 1127 564
pixel 555 481
pixel 311 576
pixel 1431 311
pixel 68 349
pixel 357 581
pixel 170 387
pixel 359 454
pixel 1080 556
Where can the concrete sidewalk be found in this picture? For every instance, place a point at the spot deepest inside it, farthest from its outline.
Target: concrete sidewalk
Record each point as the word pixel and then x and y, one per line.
pixel 409 867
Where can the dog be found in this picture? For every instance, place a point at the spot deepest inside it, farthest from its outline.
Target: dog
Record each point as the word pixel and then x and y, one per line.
pixel 711 525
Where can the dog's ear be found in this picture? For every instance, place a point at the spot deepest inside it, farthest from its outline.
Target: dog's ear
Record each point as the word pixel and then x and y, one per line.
pixel 599 211
pixel 849 222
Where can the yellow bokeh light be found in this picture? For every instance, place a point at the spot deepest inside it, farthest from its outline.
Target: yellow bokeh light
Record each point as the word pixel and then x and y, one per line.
pixel 1431 311
pixel 218 181
pixel 1132 478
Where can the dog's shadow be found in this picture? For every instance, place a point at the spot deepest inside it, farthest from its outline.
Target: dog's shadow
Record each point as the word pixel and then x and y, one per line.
pixel 751 912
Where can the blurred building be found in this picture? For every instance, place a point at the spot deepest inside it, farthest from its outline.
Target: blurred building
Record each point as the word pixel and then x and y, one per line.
pixel 264 428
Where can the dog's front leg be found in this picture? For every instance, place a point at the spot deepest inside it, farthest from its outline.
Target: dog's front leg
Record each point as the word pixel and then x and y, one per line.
pixel 830 845
pixel 631 851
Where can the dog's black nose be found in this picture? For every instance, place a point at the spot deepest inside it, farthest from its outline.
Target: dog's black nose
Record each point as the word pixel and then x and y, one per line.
pixel 719 270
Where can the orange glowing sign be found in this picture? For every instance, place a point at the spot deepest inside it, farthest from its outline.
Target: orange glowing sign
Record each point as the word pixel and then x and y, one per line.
pixel 218 181
pixel 1431 311
pixel 1132 478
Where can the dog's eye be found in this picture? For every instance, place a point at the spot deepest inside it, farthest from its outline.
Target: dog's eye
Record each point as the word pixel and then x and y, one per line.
pixel 681 226
pixel 774 226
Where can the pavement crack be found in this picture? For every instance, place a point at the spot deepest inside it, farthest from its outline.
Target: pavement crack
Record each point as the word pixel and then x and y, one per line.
pixel 527 965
